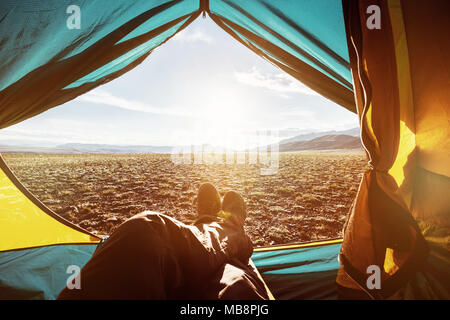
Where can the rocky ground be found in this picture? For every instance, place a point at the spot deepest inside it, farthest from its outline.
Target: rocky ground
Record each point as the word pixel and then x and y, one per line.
pixel 308 199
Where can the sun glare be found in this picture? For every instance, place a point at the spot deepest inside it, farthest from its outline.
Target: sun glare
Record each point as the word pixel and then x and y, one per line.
pixel 222 107
pixel 222 115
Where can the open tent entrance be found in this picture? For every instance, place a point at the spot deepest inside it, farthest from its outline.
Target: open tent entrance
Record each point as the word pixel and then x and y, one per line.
pixel 98 71
pixel 229 102
pixel 400 130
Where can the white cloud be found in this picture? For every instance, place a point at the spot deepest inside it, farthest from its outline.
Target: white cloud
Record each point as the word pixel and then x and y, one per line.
pixel 104 97
pixel 188 35
pixel 280 82
pixel 51 131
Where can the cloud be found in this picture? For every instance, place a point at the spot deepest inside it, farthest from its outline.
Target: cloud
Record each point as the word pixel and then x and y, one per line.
pixel 280 82
pixel 51 131
pixel 104 97
pixel 192 36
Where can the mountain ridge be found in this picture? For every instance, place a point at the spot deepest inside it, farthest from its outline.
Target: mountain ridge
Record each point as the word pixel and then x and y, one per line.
pixel 326 140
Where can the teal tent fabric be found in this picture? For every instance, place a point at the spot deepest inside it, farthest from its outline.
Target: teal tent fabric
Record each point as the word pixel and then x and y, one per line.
pixel 306 38
pixel 311 30
pixel 304 273
pixel 40 273
pixel 127 58
pixel 35 32
pixel 52 64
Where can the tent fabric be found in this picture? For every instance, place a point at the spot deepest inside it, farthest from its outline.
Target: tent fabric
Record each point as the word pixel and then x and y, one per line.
pixel 306 39
pixel 54 64
pixel 127 58
pixel 401 88
pixel 40 273
pixel 31 24
pixel 395 78
pixel 44 64
pixel 433 281
pixel 115 39
pixel 306 271
pixel 25 222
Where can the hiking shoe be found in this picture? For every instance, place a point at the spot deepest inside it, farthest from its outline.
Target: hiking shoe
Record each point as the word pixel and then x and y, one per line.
pixel 234 204
pixel 208 200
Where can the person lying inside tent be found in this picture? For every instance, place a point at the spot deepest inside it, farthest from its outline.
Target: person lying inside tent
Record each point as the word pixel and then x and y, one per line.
pixel 153 256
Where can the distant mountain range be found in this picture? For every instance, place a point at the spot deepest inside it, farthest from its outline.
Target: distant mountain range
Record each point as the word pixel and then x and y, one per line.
pixel 327 140
pixel 80 148
pixel 354 132
pixel 108 148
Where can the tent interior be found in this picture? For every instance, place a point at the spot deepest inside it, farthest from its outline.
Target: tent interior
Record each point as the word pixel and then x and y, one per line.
pixel 393 77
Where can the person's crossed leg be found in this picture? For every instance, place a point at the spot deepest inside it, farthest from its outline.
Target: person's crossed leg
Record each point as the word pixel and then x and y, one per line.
pixel 153 256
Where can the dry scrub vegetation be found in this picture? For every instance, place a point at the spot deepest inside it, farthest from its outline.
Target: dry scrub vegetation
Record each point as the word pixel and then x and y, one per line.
pixel 307 199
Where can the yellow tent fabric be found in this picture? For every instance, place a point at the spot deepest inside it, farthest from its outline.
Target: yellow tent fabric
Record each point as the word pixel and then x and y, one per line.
pixel 27 223
pixel 400 74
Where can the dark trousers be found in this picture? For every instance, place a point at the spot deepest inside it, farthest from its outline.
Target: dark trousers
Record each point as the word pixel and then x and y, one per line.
pixel 153 256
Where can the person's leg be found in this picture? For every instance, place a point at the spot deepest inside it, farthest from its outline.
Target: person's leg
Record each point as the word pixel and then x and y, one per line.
pixel 234 204
pixel 136 262
pixel 238 278
pixel 153 256
pixel 208 200
pixel 221 230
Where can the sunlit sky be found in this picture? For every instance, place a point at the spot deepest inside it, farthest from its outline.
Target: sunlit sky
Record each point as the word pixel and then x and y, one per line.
pixel 202 84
